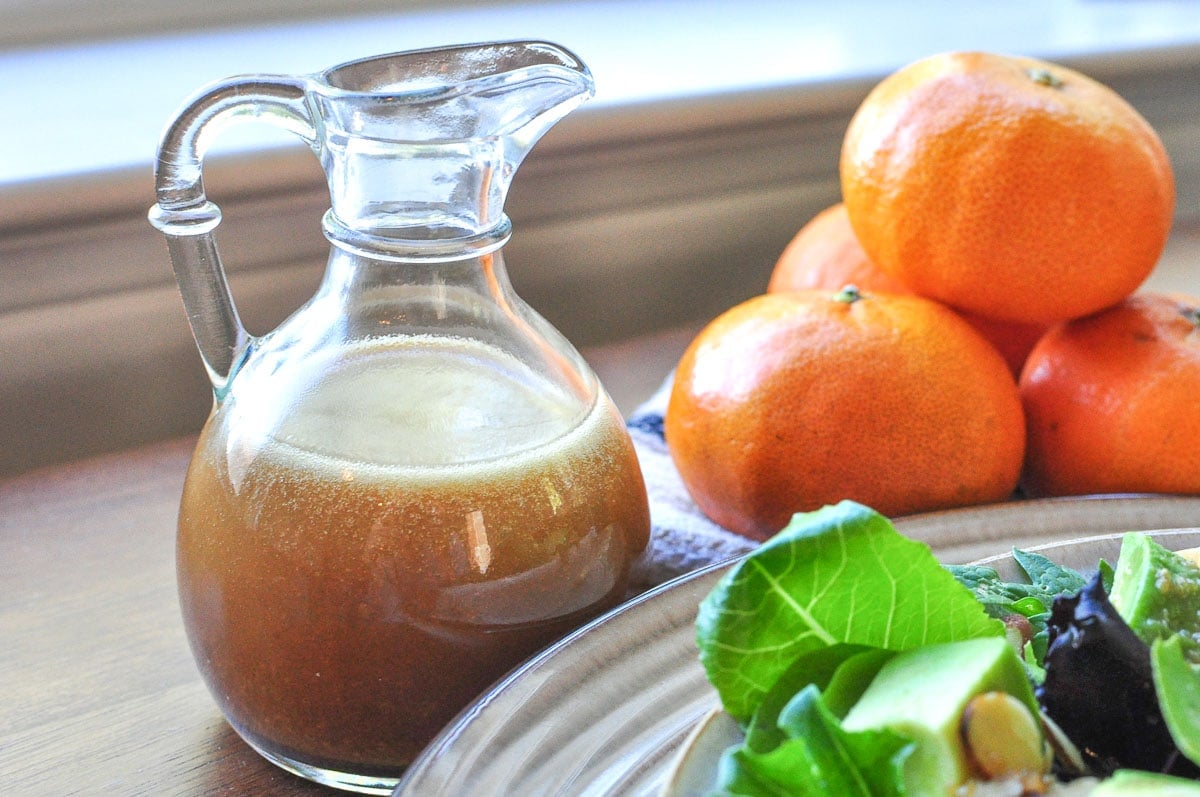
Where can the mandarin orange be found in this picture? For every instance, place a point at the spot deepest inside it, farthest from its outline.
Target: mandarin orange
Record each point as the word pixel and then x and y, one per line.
pixel 825 253
pixel 1011 187
pixel 1112 401
pixel 793 400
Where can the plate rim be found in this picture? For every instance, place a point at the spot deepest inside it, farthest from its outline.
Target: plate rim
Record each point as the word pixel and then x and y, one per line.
pixel 1164 511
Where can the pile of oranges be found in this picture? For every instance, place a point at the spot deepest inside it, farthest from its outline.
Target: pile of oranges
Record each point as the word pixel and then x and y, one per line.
pixel 964 323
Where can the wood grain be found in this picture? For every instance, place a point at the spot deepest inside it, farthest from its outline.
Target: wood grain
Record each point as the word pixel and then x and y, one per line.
pixel 99 694
pixel 98 691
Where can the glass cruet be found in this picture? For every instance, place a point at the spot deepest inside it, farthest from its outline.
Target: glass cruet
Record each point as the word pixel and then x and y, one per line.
pixel 414 482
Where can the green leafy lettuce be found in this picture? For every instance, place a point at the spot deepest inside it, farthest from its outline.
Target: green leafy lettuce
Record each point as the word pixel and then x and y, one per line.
pixel 1047 580
pixel 817 757
pixel 793 635
pixel 840 575
pixel 1031 599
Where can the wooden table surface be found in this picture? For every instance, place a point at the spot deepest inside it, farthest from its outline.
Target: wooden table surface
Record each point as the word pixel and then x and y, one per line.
pixel 98 692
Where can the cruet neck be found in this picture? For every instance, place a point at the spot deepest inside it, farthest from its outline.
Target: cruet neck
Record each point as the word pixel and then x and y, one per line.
pixel 420 148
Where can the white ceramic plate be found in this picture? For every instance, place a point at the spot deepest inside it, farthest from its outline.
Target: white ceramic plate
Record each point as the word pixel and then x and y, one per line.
pixel 607 710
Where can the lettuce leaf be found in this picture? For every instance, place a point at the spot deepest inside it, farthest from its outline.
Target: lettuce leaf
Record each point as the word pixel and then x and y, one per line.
pixel 841 672
pixel 1047 580
pixel 1032 599
pixel 817 758
pixel 816 668
pixel 841 574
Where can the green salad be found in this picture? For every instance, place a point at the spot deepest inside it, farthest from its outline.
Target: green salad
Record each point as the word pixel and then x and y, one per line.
pixel 857 664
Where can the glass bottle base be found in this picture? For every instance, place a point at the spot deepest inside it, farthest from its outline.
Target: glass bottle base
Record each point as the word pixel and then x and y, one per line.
pixel 345 781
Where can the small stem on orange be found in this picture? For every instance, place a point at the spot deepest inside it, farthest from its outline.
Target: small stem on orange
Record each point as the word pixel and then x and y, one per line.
pixel 848 294
pixel 1045 77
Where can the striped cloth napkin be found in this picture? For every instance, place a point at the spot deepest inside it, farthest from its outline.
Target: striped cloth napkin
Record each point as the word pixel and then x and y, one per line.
pixel 682 539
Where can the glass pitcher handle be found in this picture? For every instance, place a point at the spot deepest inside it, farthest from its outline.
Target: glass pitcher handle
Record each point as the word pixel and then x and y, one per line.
pixel 187 219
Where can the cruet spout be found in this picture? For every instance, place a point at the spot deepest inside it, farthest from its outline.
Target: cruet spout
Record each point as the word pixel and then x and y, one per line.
pixel 422 146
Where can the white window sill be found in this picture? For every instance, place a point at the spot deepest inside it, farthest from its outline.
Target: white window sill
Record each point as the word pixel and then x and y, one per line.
pixel 84 108
pixel 713 136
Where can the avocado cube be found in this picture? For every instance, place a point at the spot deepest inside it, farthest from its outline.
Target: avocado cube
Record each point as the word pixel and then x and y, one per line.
pixel 1157 593
pixel 922 694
